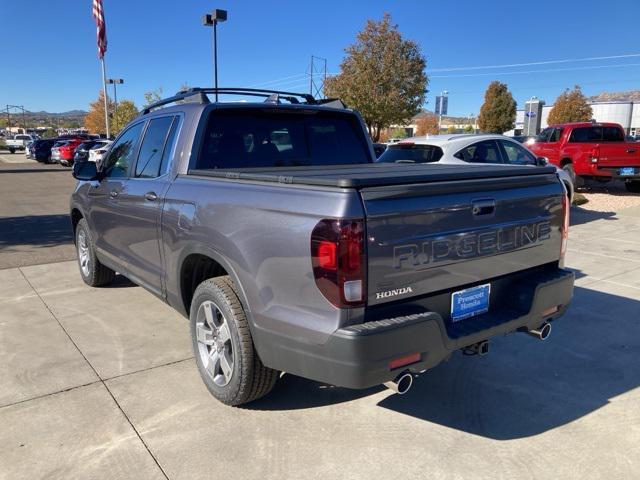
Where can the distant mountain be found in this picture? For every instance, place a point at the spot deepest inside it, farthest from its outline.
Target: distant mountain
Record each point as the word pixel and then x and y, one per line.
pixel 630 96
pixel 70 113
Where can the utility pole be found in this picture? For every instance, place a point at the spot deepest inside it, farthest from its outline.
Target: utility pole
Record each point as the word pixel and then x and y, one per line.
pixel 212 20
pixel 316 89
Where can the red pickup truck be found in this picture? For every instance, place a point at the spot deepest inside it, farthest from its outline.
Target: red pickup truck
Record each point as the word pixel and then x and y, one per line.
pixel 591 150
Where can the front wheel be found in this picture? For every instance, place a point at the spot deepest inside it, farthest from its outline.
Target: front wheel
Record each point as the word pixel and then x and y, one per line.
pixel 12 150
pixel 226 358
pixel 93 273
pixel 632 186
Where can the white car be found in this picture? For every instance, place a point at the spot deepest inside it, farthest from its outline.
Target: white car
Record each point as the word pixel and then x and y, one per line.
pixel 468 148
pixel 98 151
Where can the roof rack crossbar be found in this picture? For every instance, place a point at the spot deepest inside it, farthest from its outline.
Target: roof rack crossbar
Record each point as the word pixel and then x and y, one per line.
pixel 291 97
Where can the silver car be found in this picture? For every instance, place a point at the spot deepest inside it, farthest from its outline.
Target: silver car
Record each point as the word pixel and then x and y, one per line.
pixel 467 148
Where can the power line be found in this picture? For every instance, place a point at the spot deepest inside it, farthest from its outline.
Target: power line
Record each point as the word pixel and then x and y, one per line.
pixel 528 64
pixel 484 74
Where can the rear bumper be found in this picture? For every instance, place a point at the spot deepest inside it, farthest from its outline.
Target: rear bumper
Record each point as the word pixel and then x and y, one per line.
pixel 358 356
pixel 614 173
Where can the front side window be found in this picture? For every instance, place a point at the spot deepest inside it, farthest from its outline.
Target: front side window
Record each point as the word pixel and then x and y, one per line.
pixel 517 155
pixel 123 152
pixel 247 138
pixel 152 148
pixel 481 152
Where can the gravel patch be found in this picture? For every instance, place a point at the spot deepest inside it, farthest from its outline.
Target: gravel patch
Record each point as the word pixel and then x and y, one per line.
pixel 608 197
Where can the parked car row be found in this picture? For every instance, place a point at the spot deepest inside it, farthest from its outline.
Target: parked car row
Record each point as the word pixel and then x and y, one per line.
pixel 68 149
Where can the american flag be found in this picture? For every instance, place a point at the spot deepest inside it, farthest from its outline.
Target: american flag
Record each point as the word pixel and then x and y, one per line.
pixel 101 28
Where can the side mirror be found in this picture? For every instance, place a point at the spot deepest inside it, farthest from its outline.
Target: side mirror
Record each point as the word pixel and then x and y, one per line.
pixel 542 161
pixel 85 171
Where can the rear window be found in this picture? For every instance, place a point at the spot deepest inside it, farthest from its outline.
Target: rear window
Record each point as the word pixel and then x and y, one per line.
pixel 586 135
pixel 612 134
pixel 246 138
pixel 411 153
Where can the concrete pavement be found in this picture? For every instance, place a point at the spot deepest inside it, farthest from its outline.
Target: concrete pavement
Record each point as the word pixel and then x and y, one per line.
pixel 100 383
pixel 34 213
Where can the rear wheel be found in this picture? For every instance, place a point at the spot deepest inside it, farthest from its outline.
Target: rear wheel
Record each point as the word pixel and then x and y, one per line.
pixel 632 186
pixel 227 360
pixel 91 270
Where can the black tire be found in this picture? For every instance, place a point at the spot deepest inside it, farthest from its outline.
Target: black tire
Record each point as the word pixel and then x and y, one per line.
pixel 93 273
pixel 249 378
pixel 577 181
pixel 12 150
pixel 632 186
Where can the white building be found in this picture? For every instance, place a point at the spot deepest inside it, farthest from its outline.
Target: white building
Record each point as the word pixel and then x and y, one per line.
pixel 626 113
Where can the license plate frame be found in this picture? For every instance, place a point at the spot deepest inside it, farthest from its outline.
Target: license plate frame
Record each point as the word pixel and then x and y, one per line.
pixel 627 171
pixel 470 302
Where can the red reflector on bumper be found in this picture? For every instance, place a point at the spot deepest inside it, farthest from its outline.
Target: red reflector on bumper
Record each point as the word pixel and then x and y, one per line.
pixel 402 361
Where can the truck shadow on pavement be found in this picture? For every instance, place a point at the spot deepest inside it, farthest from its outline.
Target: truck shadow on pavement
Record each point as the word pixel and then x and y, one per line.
pixel 524 387
pixel 36 230
pixel 580 216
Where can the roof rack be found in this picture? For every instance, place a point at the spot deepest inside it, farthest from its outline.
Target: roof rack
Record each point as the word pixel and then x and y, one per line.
pixel 198 95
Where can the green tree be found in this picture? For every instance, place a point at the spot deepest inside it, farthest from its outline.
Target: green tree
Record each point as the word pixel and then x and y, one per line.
pixel 498 112
pixel 452 129
pixel 126 112
pixel 152 96
pixel 570 106
pixel 397 132
pixel 468 129
pixel 382 76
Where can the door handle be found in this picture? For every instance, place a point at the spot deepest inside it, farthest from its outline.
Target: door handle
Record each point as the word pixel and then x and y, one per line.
pixel 631 150
pixel 483 207
pixel 151 196
pixel 113 193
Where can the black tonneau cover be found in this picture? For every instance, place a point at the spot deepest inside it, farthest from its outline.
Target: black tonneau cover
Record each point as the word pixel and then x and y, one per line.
pixel 373 174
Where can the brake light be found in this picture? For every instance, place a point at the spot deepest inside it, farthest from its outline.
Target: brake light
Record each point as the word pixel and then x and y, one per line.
pixel 594 154
pixel 565 225
pixel 338 261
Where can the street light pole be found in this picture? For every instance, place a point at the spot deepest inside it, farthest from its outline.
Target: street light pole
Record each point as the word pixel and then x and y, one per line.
pixel 212 20
pixel 114 82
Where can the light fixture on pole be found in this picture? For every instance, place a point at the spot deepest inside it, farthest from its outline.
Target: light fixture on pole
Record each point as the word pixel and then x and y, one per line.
pixel 212 20
pixel 114 82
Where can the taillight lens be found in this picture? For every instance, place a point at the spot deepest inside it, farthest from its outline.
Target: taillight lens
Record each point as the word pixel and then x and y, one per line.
pixel 594 154
pixel 566 207
pixel 338 261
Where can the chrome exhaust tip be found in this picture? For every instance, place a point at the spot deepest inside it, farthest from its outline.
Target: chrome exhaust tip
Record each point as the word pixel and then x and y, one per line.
pixel 542 332
pixel 401 384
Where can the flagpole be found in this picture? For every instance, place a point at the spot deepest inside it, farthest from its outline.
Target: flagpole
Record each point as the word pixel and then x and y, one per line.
pixel 106 99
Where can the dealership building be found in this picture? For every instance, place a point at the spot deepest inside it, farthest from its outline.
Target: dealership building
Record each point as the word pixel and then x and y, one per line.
pixel 533 118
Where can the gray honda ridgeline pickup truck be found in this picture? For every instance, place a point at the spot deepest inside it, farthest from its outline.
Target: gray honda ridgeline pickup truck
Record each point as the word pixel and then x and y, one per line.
pixel 271 228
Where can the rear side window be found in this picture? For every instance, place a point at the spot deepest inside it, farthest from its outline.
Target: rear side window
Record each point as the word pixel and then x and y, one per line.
pixel 152 148
pixel 247 138
pixel 612 134
pixel 516 154
pixel 411 153
pixel 481 152
pixel 586 135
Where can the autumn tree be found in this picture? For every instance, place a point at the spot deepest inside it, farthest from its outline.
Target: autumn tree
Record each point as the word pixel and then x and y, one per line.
pixel 570 106
pixel 498 112
pixel 382 76
pixel 427 125
pixel 94 121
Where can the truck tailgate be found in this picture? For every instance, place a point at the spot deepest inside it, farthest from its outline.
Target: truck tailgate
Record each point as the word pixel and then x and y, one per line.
pixel 429 237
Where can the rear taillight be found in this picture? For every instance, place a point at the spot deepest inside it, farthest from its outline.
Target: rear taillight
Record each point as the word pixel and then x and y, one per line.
pixel 338 261
pixel 594 154
pixel 565 225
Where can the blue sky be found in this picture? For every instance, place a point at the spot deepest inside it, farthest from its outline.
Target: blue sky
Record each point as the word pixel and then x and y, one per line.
pixel 155 43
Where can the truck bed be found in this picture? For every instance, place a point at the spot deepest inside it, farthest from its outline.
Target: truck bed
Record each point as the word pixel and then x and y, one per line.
pixel 373 174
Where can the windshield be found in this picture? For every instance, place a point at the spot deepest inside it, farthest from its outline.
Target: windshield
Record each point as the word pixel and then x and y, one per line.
pixel 249 138
pixel 411 153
